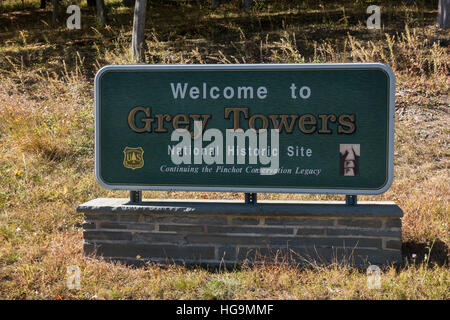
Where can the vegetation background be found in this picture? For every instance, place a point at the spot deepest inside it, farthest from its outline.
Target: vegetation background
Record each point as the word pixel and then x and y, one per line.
pixel 47 140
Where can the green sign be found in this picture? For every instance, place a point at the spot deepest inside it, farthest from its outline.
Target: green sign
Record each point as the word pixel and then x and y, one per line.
pixel 303 128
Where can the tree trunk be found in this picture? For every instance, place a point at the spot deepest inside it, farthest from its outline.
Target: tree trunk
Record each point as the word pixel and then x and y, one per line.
pixel 444 14
pixel 43 4
pixel 138 42
pixel 55 12
pixel 101 11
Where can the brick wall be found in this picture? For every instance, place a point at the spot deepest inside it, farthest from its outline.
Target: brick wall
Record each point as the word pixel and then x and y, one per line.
pixel 230 232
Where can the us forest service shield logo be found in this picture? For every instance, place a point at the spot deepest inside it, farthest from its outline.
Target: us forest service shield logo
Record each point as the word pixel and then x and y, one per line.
pixel 133 158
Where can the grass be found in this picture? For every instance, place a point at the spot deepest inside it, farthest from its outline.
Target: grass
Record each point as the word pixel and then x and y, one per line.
pixel 47 145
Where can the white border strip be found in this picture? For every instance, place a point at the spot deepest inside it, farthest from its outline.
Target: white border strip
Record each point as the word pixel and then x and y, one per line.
pixel 243 67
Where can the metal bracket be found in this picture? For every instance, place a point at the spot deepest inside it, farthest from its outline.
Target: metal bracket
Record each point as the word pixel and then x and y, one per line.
pixel 251 198
pixel 135 197
pixel 351 200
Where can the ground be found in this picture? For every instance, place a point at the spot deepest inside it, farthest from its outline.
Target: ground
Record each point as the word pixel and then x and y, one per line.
pixel 47 144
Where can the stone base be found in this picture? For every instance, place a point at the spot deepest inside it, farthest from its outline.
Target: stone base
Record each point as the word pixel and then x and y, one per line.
pixel 230 232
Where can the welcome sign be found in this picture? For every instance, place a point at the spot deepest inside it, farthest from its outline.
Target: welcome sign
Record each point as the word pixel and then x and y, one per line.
pixel 306 128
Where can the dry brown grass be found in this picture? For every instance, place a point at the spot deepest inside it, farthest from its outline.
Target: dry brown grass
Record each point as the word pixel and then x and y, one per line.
pixel 46 147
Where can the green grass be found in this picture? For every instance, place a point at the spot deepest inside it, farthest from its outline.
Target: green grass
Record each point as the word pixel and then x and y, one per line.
pixel 47 142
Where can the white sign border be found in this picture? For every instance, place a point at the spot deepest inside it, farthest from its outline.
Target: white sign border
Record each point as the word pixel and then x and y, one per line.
pixel 243 67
